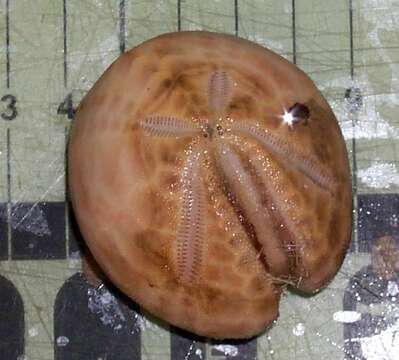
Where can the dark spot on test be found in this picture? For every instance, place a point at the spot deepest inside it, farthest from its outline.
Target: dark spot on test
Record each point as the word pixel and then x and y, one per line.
pixel 300 113
pixel 167 83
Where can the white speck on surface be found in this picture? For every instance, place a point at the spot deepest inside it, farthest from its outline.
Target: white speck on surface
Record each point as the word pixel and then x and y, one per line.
pixel 394 220
pixel 30 220
pixel 33 331
pixel 102 303
pixel 347 317
pixel 198 352
pixel 299 329
pixel 370 123
pixel 190 351
pixel 392 288
pixel 380 175
pixel 383 346
pixel 227 350
pixel 62 341
pixel 74 260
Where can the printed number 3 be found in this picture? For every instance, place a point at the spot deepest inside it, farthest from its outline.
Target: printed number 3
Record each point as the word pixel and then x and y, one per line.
pixel 11 111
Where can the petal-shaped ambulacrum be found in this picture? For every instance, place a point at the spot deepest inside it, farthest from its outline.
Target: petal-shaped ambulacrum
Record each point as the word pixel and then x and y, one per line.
pixel 206 174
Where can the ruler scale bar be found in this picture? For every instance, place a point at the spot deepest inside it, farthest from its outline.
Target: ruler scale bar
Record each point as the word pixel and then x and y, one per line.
pixel 65 39
pixel 8 65
pixel 9 245
pixel 293 32
pixel 8 166
pixel 353 143
pixel 66 132
pixel 67 204
pixel 351 38
pixel 8 147
pixel 236 17
pixel 352 73
pixel 122 26
pixel 178 15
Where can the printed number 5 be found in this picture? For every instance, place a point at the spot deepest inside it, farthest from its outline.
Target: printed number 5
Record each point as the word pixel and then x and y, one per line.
pixel 11 111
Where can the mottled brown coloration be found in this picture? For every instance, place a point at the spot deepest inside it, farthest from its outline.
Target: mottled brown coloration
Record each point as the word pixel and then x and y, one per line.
pixel 194 194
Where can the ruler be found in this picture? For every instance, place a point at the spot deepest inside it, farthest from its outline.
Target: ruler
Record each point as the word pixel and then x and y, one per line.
pixel 51 53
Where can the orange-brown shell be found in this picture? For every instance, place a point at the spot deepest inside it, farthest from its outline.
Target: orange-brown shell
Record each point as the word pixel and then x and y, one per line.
pixel 206 172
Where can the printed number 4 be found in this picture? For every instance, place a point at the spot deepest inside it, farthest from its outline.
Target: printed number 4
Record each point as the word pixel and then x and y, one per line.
pixel 11 110
pixel 66 107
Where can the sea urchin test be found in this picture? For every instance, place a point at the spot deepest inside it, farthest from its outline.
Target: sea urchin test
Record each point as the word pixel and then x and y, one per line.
pixel 207 174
